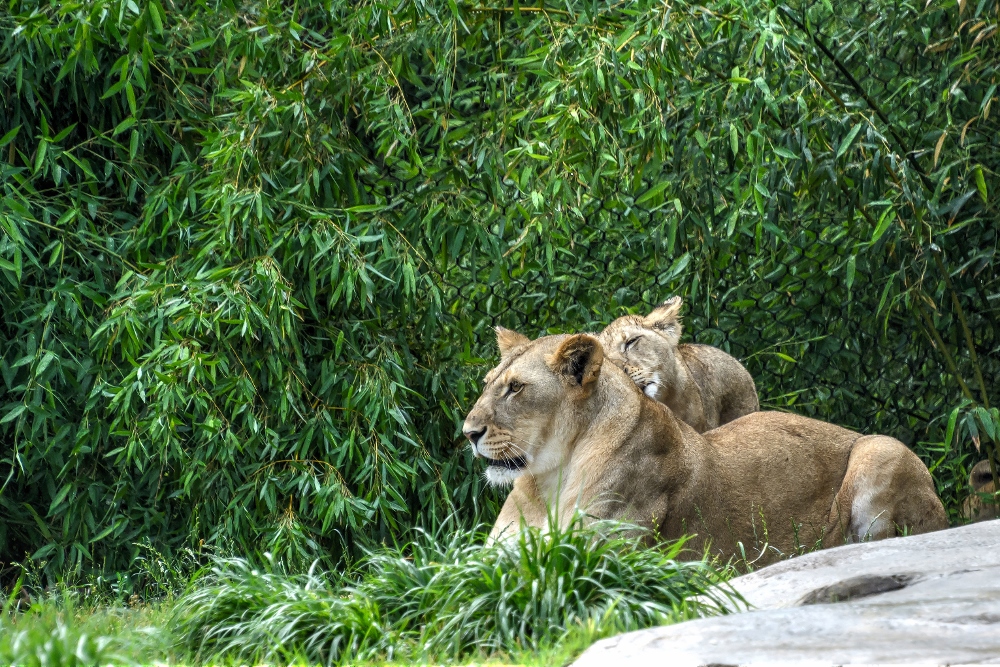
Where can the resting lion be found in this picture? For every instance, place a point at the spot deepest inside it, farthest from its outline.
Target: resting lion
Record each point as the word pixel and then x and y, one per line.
pixel 567 429
pixel 701 384
pixel 981 481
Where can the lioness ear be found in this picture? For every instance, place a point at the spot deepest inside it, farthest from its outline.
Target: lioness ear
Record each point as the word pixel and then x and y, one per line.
pixel 507 340
pixel 666 318
pixel 578 359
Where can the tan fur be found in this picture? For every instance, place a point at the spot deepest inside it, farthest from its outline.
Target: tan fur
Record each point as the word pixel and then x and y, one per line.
pixel 981 481
pixel 702 385
pixel 589 437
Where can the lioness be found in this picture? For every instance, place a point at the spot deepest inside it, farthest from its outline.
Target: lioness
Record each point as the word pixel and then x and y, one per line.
pixel 981 481
pixel 701 384
pixel 567 429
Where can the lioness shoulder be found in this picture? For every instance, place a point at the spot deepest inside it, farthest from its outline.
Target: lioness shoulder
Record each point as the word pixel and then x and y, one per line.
pixel 701 384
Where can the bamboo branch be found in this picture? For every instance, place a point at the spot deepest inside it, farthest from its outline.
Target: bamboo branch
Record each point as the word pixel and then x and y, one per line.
pixel 986 311
pixel 932 333
pixel 900 145
pixel 965 329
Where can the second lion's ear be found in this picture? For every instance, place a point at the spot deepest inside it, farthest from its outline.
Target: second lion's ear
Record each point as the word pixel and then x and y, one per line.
pixel 507 340
pixel 578 360
pixel 667 318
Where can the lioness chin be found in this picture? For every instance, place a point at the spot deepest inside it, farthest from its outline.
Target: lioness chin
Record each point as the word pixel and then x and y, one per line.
pixel 701 384
pixel 569 430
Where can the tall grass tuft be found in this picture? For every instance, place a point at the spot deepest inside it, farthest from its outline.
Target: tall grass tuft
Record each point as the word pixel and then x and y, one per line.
pixel 447 597
pixel 57 630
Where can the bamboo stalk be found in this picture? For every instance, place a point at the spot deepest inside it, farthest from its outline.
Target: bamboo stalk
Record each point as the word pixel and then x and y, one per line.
pixel 965 329
pixel 932 333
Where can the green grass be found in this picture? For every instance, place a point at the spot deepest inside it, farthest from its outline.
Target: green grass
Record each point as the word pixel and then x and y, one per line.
pixel 440 598
pixel 61 631
pixel 445 597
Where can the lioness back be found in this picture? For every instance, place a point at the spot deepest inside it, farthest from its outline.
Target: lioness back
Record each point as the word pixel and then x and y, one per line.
pixel 767 480
pixel 727 389
pixel 815 484
pixel 701 384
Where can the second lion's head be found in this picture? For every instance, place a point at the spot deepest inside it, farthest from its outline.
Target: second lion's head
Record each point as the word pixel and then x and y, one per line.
pixel 646 347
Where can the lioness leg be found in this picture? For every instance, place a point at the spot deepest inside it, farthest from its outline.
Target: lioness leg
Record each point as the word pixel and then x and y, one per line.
pixel 523 503
pixel 886 490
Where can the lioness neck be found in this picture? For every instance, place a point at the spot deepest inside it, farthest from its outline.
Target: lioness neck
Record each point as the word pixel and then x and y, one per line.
pixel 620 425
pixel 676 384
pixel 683 396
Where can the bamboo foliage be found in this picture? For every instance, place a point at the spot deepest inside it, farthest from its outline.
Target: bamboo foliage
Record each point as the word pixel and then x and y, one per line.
pixel 251 253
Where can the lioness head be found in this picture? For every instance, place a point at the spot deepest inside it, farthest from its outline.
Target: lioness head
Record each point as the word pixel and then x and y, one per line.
pixel 532 403
pixel 646 347
pixel 981 481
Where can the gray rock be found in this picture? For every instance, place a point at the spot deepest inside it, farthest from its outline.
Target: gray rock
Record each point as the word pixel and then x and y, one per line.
pixel 925 599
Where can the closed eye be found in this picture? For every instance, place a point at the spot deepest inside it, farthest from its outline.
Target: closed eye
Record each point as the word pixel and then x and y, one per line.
pixel 512 388
pixel 631 342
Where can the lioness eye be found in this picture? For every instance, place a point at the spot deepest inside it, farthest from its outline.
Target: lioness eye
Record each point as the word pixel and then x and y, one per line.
pixel 630 343
pixel 514 387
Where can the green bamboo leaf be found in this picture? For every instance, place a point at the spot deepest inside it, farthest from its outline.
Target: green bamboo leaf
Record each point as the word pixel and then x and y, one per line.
pixel 113 89
pixel 13 414
pixel 59 137
pixel 43 146
pixel 949 436
pixel 63 492
pixel 107 531
pixel 124 125
pixel 366 208
pixel 652 193
pixel 883 224
pixel 985 421
pixel 978 172
pixel 972 428
pixel 9 136
pixel 130 95
pixel 156 16
pixel 846 143
pixel 46 360
pixel 201 44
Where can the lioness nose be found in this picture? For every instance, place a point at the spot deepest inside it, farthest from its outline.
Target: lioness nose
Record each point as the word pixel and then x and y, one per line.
pixel 474 434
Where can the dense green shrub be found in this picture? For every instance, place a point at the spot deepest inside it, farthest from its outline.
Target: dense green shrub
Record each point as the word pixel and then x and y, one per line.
pixel 446 596
pixel 251 253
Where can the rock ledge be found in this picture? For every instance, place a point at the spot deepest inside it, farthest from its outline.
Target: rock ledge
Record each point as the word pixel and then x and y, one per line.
pixel 931 599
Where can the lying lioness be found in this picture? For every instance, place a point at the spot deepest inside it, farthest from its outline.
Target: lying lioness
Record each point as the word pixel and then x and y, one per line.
pixel 567 429
pixel 981 481
pixel 701 384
